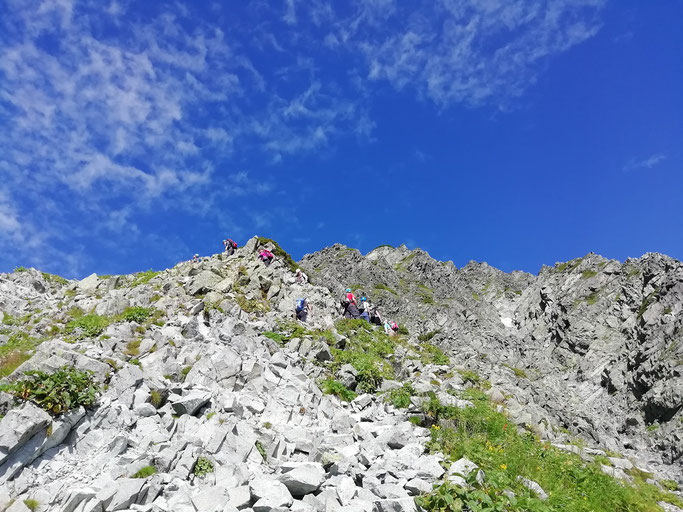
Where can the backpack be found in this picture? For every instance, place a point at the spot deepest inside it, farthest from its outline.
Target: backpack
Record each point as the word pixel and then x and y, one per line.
pixel 345 301
pixel 300 305
pixel 394 326
pixel 232 242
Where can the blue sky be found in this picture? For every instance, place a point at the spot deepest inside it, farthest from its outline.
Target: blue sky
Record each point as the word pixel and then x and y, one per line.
pixel 520 133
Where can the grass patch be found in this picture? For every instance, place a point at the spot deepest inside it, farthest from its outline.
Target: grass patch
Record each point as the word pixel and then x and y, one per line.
pixel 145 472
pixel 336 388
pixel 470 376
pixel 18 349
pixel 156 398
pixel 87 326
pixel 56 392
pixel 431 354
pixel 32 504
pixel 288 330
pixel 519 373
pixel 487 438
pixel 54 278
pixel 144 277
pixel 429 335
pixel 383 287
pixel 587 274
pixel 132 348
pixel 252 305
pixel 367 351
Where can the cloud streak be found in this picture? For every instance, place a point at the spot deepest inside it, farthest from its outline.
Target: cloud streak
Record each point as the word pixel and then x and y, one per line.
pixel 647 163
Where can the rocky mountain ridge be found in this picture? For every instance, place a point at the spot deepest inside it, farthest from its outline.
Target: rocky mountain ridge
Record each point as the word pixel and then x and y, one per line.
pixel 213 398
pixel 592 334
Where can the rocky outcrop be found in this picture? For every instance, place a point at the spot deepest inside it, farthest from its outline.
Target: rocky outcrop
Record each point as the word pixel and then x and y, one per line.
pixel 580 338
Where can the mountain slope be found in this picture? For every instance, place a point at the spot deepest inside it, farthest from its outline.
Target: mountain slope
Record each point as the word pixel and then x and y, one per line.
pixel 212 397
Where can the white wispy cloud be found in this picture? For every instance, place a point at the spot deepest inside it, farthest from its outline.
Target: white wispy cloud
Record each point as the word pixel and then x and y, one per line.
pixel 465 51
pixel 646 163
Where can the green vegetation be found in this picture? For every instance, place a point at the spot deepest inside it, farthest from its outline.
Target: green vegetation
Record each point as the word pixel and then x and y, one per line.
pixel 252 305
pixel 519 373
pixel 400 266
pixel 592 298
pixel 132 348
pixel 87 326
pixel 569 265
pixel 18 349
pixel 8 319
pixel 287 330
pixel 185 371
pixel 429 335
pixel 145 472
pixel 144 277
pixel 261 450
pixel 136 314
pixel 336 388
pixel 367 351
pixel 20 269
pixel 487 438
pixel 280 253
pixel 210 415
pixel 32 504
pixel 587 274
pixel 56 392
pixel 470 376
pixel 156 398
pixel 54 278
pixel 400 397
pixel 202 467
pixel 669 485
pixel 383 287
pixel 431 354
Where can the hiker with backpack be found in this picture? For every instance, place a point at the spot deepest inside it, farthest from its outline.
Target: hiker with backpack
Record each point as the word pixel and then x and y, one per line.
pixel 195 258
pixel 302 309
pixel 364 308
pixel 348 304
pixel 300 276
pixel 230 246
pixel 394 328
pixel 266 256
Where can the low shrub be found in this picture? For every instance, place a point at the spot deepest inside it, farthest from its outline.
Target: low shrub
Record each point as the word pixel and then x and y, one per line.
pixel 336 388
pixel 400 397
pixel 136 314
pixel 56 392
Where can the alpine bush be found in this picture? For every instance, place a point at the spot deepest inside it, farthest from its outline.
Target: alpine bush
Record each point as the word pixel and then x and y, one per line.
pixel 57 392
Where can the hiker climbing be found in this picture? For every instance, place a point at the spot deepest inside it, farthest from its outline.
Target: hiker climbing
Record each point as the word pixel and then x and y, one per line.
pixel 302 308
pixel 230 246
pixel 300 276
pixel 348 304
pixel 266 256
pixel 375 317
pixel 195 258
pixel 364 308
pixel 394 328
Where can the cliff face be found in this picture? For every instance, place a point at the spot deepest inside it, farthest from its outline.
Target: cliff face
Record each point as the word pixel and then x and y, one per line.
pixel 600 342
pixel 206 394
